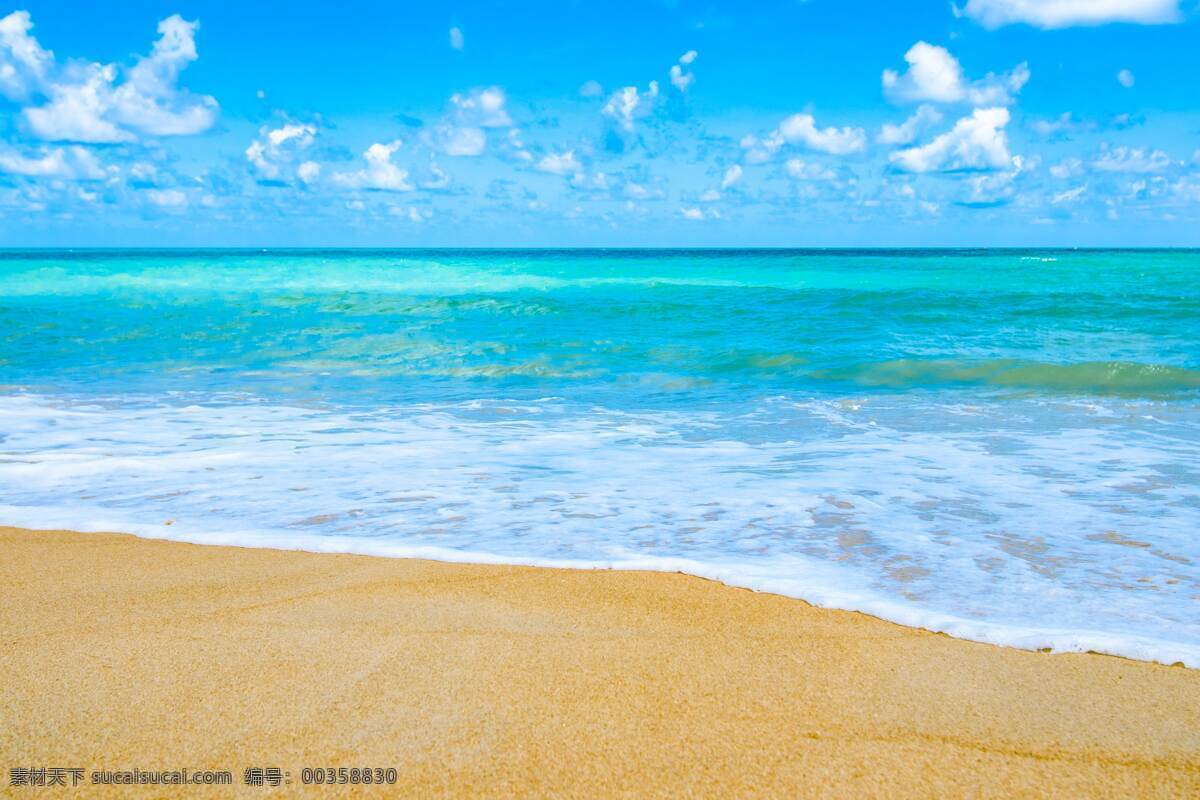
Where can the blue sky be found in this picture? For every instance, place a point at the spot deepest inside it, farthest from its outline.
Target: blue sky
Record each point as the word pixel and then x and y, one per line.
pixel 826 122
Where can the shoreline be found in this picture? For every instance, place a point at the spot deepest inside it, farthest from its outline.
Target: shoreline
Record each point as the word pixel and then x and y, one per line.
pixel 494 679
pixel 1032 639
pixel 1143 649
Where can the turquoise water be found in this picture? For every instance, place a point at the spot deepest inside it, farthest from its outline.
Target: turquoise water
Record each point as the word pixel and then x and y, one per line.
pixel 1003 445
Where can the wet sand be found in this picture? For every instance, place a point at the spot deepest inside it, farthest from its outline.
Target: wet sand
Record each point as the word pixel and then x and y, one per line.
pixel 121 653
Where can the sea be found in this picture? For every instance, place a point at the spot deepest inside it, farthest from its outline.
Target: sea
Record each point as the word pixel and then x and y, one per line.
pixel 1001 445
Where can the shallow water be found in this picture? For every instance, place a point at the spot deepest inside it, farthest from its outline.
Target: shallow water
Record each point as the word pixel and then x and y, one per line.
pixel 1000 445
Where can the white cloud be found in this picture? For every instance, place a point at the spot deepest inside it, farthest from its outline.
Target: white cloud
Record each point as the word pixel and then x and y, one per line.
pixel 1126 78
pixel 907 132
pixel 167 198
pixel 463 132
pixel 435 178
pixel 838 141
pixel 86 103
pixel 292 132
pixel 308 171
pixel 1068 168
pixel 560 163
pixel 732 176
pixel 274 149
pixel 380 173
pixel 23 62
pixel 514 146
pixel 975 142
pixel 65 163
pixel 456 38
pixel 79 109
pixel 1131 159
pixel 144 172
pixel 483 108
pixel 934 75
pixel 641 192
pixel 707 213
pixel 1064 125
pixel 696 214
pixel 1069 195
pixel 591 89
pixel 627 104
pixel 802 129
pixel 149 99
pixel 680 78
pixel 805 171
pixel 463 141
pixel 992 189
pixel 412 213
pixel 596 182
pixel 1066 13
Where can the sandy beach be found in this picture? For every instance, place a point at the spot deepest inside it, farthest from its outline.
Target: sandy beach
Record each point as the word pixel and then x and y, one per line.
pixel 124 653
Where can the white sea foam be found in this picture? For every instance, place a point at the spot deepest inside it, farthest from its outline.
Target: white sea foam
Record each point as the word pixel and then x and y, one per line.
pixel 1031 524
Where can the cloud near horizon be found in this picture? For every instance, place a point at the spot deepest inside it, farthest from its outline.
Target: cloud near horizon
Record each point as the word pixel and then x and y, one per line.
pixel 1051 14
pixel 924 136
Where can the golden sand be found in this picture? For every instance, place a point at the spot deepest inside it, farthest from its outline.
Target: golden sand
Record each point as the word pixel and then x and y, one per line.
pixel 118 652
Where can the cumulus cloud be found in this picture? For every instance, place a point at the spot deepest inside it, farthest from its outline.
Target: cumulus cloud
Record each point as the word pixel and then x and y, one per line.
pixel 1131 159
pixel 166 198
pixel 628 104
pixel 483 108
pixel 802 129
pixel 799 170
pixel 907 131
pixel 1126 79
pixel 63 163
pixel 560 163
pixel 23 63
pixel 681 78
pixel 275 149
pixel 412 213
pixel 640 191
pixel 696 214
pixel 1068 195
pixel 1067 13
pixel 92 102
pixel 463 131
pixel 1060 127
pixel 1066 125
pixel 308 171
pixel 935 76
pixel 977 142
pixel 1067 168
pixel 732 176
pixel 463 141
pixel 990 190
pixel 838 141
pixel 380 173
pixel 596 182
pixel 456 38
pixel 591 89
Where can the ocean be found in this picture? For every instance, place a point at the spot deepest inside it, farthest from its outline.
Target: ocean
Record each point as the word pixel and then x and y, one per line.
pixel 1002 445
